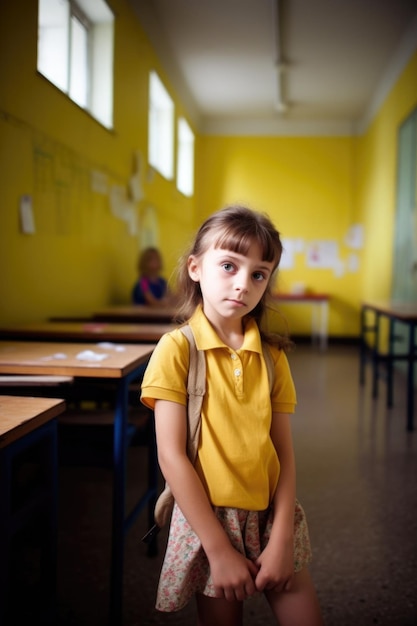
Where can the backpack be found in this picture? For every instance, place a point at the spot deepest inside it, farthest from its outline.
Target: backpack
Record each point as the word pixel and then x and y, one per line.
pixel 196 387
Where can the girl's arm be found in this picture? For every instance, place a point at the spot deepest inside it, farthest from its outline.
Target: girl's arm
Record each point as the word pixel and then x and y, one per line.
pixel 151 300
pixel 148 296
pixel 232 574
pixel 277 560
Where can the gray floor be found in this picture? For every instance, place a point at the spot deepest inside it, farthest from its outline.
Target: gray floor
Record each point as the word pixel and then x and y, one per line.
pixel 357 480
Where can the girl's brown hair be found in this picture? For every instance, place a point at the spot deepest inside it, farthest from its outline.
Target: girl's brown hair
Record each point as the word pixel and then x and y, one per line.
pixel 233 228
pixel 145 256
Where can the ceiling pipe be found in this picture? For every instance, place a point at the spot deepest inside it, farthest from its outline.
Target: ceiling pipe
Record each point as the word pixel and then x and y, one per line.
pixel 281 104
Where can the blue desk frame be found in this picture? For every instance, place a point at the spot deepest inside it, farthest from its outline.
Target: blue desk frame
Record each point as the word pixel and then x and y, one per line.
pixel 396 314
pixel 42 502
pixel 122 432
pixel 122 524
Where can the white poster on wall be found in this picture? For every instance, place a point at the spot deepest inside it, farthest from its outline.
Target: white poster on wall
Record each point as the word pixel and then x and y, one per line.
pixel 287 257
pixel 322 254
pixel 355 236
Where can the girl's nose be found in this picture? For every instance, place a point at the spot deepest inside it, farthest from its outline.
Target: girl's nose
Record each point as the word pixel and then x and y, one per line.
pixel 242 283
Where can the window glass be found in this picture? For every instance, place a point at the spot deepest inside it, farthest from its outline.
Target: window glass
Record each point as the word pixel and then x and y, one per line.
pixel 185 158
pixel 53 41
pixel 161 128
pixel 79 63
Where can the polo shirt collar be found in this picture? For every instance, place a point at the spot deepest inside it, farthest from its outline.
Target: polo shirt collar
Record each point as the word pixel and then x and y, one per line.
pixel 206 337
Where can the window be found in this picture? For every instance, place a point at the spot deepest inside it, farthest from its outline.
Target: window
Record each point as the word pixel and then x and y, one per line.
pixel 161 128
pixel 185 158
pixel 75 52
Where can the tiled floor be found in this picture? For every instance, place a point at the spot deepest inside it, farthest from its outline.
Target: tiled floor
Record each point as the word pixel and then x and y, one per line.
pixel 357 480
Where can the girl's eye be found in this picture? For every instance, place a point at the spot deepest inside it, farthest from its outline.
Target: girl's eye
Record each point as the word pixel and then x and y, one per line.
pixel 228 267
pixel 258 276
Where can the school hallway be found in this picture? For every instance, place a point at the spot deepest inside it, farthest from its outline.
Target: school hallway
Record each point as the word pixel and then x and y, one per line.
pixel 357 470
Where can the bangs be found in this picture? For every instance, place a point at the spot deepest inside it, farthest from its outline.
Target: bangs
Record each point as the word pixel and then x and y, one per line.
pixel 239 239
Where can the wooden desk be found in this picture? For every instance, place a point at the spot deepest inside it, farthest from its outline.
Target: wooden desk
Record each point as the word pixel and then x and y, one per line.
pixel 26 423
pixel 20 416
pixel 319 303
pixel 395 313
pixel 135 313
pixel 86 331
pixel 122 364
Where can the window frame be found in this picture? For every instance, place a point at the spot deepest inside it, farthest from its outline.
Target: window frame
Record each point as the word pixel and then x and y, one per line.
pixel 97 18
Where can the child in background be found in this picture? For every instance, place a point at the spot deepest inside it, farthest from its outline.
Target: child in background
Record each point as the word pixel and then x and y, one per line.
pixel 151 287
pixel 237 527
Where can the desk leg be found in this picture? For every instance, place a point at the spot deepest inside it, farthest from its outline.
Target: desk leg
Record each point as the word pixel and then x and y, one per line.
pixel 324 308
pixel 362 346
pixel 41 503
pixel 390 363
pixel 5 531
pixel 121 522
pixel 119 487
pixel 410 376
pixel 153 468
pixel 375 357
pixel 319 323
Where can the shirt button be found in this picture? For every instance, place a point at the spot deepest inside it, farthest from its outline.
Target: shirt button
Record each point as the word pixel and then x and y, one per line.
pixel 233 356
pixel 237 372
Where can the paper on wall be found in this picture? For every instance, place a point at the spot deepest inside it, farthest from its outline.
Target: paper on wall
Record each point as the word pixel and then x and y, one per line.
pixel 27 222
pixel 355 237
pixel 323 254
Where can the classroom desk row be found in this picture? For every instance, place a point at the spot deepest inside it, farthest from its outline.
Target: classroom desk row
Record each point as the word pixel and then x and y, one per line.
pixel 317 302
pixel 121 364
pixel 24 424
pixel 373 316
pixel 139 314
pixel 91 331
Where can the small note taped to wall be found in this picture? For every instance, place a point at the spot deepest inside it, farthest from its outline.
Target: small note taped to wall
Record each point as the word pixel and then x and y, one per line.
pixel 27 222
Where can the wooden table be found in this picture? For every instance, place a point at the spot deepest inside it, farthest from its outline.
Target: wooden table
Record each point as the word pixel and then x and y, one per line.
pixel 122 364
pixel 372 314
pixel 26 423
pixel 319 303
pixel 94 331
pixel 135 313
pixel 21 416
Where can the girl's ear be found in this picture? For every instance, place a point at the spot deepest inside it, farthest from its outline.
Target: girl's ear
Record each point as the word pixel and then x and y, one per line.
pixel 193 269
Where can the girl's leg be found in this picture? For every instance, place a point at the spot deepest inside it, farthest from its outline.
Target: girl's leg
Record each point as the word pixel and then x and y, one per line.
pixel 299 606
pixel 218 611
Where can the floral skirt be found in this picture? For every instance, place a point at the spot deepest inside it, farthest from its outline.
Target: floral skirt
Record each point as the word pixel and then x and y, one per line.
pixel 186 571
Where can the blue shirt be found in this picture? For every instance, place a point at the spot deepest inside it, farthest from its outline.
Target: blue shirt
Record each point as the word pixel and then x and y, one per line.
pixel 157 287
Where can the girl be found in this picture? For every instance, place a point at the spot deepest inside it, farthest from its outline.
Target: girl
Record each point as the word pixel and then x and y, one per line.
pixel 151 287
pixel 236 528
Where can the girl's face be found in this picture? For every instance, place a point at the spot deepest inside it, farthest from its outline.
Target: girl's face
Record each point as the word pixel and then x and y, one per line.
pixel 232 284
pixel 154 264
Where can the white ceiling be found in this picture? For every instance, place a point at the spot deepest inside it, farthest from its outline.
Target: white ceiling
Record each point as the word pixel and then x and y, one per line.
pixel 340 57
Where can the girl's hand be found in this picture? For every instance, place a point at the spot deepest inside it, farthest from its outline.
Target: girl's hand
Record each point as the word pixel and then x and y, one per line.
pixel 233 575
pixel 275 568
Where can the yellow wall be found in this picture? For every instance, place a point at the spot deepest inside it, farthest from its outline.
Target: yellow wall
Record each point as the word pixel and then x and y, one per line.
pixel 305 184
pixel 376 177
pixel 317 188
pixel 82 257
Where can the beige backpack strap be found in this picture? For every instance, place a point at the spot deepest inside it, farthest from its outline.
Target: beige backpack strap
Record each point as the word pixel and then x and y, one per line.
pixel 196 387
pixel 269 364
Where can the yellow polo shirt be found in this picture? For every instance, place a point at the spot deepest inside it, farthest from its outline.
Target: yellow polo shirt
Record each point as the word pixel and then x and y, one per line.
pixel 236 461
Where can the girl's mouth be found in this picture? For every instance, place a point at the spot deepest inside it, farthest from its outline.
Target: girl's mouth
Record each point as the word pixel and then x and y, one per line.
pixel 237 302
